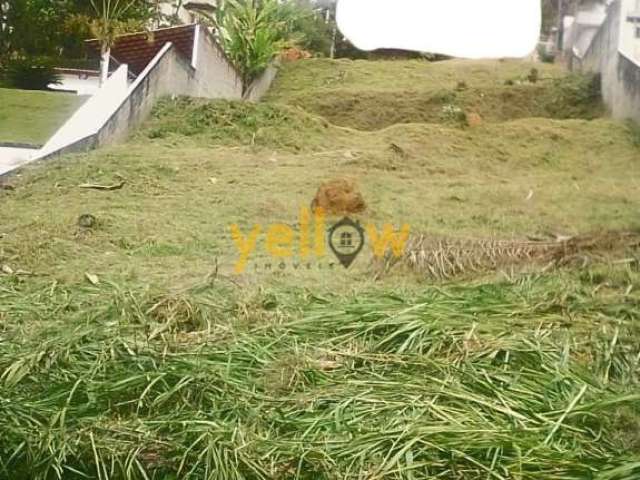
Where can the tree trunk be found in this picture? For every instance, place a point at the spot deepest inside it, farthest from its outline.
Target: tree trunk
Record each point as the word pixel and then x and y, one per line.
pixel 105 54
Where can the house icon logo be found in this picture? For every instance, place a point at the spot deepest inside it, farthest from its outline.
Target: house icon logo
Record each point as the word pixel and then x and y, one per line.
pixel 346 240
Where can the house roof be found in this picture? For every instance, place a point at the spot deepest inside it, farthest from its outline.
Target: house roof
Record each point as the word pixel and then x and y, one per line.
pixel 138 49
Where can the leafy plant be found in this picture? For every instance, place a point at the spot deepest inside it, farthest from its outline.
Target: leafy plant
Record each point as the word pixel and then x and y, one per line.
pixel 454 114
pixel 110 22
pixel 31 73
pixel 577 95
pixel 252 33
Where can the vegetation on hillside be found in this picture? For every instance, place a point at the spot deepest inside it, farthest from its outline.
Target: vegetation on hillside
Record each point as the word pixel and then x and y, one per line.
pixel 514 379
pixel 31 74
pixel 129 349
pixel 426 93
pixel 252 32
pixel 56 28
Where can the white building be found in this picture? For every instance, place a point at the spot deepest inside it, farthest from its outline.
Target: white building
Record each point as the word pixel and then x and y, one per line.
pixel 630 33
pixel 580 29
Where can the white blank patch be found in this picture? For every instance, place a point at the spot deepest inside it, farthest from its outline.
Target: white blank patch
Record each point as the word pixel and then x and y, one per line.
pixel 459 28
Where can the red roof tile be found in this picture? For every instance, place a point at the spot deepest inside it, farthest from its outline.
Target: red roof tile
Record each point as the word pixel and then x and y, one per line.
pixel 138 49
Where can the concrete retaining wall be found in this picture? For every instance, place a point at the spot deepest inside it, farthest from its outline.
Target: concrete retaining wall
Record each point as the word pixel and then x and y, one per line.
pixel 620 73
pixel 216 76
pixel 167 73
pixel 627 100
pixel 12 157
pixel 261 85
pixel 91 116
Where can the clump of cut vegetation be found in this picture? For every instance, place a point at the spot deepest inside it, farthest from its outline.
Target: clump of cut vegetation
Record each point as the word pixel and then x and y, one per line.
pixel 446 258
pixel 502 379
pixel 232 122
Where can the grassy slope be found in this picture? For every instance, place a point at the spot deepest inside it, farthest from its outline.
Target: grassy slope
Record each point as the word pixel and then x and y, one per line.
pixel 167 362
pixel 32 117
pixel 171 220
pixel 369 96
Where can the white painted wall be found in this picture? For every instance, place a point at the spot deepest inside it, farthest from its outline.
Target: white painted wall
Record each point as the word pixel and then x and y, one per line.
pixel 88 119
pixel 11 158
pixel 77 83
pixel 629 42
pixel 584 27
pixel 214 75
pixel 620 72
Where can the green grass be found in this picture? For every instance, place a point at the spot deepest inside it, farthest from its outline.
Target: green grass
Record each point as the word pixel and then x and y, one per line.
pixel 526 379
pixel 315 77
pixel 173 366
pixel 370 96
pixel 31 117
pixel 193 179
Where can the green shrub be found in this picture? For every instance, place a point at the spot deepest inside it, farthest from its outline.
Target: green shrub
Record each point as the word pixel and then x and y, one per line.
pixel 576 96
pixel 4 83
pixel 31 74
pixel 307 27
pixel 223 122
pixel 252 33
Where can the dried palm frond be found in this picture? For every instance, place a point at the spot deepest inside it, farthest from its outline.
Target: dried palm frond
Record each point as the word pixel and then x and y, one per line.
pixel 442 258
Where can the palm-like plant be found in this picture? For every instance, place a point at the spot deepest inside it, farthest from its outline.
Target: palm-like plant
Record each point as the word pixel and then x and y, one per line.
pixel 108 24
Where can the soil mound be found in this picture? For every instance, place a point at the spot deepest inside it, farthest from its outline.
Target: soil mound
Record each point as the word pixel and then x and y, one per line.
pixel 339 197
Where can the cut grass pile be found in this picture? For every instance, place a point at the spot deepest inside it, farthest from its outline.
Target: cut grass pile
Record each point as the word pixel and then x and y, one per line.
pixel 236 123
pixel 31 117
pixel 527 379
pixel 113 365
